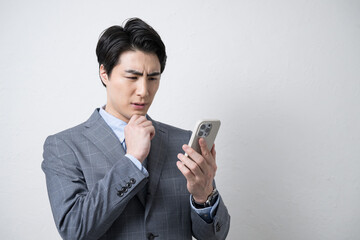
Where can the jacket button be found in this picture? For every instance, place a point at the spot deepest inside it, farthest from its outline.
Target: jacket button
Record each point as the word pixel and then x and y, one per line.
pixel 132 181
pixel 128 185
pixel 120 193
pixel 218 227
pixel 151 236
pixel 123 189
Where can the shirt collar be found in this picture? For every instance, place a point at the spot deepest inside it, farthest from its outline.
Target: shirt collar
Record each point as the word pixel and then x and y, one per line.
pixel 114 123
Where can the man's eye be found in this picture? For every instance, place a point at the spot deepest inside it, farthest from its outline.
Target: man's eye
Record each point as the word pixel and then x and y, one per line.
pixel 132 78
pixel 152 78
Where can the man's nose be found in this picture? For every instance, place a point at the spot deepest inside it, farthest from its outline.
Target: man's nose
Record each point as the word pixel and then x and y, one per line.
pixel 142 87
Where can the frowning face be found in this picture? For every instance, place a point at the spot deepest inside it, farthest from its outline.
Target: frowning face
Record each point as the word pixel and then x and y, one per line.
pixel 132 84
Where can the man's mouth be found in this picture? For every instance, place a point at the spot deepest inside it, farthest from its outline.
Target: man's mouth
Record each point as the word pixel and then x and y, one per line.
pixel 139 105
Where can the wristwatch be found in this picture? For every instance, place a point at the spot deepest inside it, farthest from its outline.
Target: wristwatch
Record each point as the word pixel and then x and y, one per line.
pixel 211 200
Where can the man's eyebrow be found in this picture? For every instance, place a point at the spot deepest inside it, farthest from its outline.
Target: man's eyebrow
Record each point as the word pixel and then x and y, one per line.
pixel 153 74
pixel 141 74
pixel 134 72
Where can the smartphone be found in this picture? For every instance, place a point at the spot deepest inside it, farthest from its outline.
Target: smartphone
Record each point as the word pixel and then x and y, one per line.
pixel 206 129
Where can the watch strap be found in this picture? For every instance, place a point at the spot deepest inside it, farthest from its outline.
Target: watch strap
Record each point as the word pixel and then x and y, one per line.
pixel 211 200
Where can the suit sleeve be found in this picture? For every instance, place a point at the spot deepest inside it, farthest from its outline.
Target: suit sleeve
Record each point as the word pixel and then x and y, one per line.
pixel 218 229
pixel 79 212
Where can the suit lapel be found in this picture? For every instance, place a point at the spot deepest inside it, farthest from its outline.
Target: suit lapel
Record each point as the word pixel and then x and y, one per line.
pixel 156 159
pixel 101 135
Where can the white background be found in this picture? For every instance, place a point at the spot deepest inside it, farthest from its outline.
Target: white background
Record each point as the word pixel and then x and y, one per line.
pixel 283 76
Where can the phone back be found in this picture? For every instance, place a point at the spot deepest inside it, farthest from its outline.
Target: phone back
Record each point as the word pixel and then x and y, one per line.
pixel 206 129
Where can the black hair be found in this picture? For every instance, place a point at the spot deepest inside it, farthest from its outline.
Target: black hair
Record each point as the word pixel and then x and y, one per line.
pixel 135 35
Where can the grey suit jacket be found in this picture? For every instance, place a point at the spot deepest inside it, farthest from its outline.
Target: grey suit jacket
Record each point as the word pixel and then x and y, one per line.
pixel 96 192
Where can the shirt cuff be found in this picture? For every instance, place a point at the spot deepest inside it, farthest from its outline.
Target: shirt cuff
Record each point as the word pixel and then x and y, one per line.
pixel 207 213
pixel 138 164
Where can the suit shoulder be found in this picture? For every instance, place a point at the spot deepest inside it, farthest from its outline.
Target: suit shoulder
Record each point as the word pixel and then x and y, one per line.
pixel 68 133
pixel 76 131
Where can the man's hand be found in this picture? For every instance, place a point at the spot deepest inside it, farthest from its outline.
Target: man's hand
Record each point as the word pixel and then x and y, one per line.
pixel 199 170
pixel 138 133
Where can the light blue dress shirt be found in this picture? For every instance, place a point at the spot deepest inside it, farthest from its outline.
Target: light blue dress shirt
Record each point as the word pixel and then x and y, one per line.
pixel 118 126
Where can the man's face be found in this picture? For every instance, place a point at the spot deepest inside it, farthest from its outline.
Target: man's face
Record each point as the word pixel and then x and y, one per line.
pixel 132 84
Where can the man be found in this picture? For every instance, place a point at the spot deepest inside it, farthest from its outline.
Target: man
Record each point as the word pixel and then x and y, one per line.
pixel 120 174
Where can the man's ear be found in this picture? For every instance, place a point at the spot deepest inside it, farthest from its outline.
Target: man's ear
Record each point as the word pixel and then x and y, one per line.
pixel 103 75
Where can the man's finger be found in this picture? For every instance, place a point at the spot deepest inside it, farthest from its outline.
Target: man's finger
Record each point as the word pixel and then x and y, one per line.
pixel 151 130
pixel 197 159
pixel 204 149
pixel 213 152
pixel 140 119
pixel 209 156
pixel 191 165
pixel 185 171
pixel 146 123
pixel 133 118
